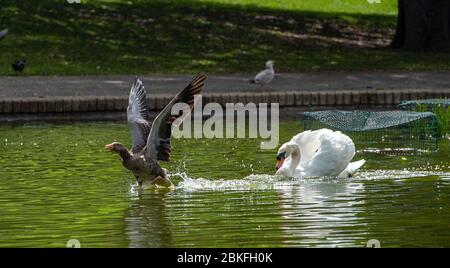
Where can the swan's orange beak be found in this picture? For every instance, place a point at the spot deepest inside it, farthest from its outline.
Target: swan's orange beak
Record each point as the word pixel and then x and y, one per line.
pixel 280 160
pixel 279 163
pixel 109 147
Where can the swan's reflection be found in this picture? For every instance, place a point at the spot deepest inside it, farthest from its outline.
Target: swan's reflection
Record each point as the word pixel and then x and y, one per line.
pixel 320 213
pixel 147 223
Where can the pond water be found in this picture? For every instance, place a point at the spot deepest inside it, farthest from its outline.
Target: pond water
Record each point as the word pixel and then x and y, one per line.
pixel 58 183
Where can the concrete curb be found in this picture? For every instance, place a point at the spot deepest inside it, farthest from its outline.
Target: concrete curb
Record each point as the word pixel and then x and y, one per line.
pixel 355 98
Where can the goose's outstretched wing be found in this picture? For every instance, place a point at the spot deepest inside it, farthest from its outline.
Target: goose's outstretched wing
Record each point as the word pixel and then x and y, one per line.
pixel 158 143
pixel 138 116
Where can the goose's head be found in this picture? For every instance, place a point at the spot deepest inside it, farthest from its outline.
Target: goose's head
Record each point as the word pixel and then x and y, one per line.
pixel 269 64
pixel 115 147
pixel 284 152
pixel 118 148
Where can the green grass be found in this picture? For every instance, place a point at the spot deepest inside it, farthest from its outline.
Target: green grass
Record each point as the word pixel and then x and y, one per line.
pixel 386 7
pixel 212 36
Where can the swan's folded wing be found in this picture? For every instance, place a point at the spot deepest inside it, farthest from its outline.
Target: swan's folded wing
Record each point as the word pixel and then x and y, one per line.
pixel 309 142
pixel 158 143
pixel 138 116
pixel 333 156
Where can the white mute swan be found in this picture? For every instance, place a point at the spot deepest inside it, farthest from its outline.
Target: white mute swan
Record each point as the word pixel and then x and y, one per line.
pixel 318 153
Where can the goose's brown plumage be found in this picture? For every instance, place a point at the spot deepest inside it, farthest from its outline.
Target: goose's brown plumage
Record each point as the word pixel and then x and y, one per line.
pixel 151 142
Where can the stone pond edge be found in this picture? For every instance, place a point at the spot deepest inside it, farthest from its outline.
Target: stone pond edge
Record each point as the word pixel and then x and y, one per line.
pixel 354 98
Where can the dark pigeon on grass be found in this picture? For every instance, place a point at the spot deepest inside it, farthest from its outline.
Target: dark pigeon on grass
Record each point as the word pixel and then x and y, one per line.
pixel 3 33
pixel 19 65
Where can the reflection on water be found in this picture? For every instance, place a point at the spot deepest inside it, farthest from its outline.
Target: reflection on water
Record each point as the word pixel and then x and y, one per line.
pixel 322 209
pixel 57 183
pixel 147 223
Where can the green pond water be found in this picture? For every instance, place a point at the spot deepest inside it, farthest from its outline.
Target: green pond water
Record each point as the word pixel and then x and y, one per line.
pixel 58 183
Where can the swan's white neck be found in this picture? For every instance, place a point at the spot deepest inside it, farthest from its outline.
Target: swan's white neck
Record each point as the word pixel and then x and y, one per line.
pixel 288 168
pixel 295 158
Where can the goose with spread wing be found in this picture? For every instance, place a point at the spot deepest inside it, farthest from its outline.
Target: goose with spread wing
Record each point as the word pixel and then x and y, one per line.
pixel 151 142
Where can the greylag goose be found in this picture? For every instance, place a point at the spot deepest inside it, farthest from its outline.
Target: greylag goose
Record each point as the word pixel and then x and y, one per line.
pixel 151 142
pixel 265 76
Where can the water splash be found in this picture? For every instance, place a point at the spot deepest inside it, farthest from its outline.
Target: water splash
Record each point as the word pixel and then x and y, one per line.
pixel 252 182
pixel 267 182
pixel 399 174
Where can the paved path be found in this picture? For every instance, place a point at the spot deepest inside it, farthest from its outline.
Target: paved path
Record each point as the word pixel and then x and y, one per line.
pixel 43 86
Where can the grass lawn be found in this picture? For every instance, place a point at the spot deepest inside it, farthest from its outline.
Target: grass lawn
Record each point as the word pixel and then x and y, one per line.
pixel 386 7
pixel 212 36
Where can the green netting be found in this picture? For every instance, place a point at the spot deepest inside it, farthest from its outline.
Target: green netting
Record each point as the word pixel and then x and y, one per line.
pixel 366 120
pixel 385 130
pixel 440 107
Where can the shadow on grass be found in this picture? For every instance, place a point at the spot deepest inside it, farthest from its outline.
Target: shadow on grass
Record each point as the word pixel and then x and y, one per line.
pixel 187 36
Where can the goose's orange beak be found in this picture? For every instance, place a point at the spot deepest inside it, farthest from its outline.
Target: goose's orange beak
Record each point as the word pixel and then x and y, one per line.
pixel 109 147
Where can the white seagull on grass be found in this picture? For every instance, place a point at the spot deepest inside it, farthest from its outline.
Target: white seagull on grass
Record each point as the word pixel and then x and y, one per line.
pixel 266 76
pixel 3 33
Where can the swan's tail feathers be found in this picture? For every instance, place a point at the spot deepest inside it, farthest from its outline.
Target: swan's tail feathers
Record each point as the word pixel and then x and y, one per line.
pixel 352 168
